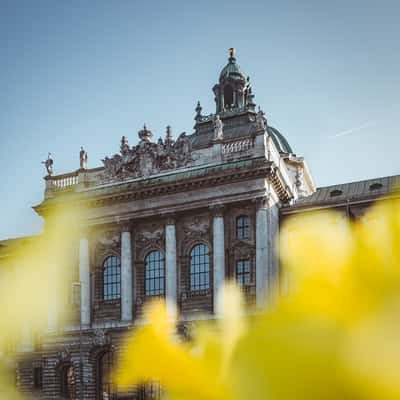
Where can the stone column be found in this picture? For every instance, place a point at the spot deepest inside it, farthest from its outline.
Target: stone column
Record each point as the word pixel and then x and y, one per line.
pixel 261 250
pixel 126 274
pixel 84 277
pixel 171 268
pixel 218 253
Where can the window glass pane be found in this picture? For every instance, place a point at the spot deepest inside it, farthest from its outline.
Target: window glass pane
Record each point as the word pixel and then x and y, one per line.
pixel 199 267
pixel 154 274
pixel 111 278
pixel 243 227
pixel 244 273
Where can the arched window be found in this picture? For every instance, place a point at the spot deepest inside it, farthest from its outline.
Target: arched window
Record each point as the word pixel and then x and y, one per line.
pixel 199 268
pixel 112 278
pixel 243 227
pixel 105 385
pixel 155 274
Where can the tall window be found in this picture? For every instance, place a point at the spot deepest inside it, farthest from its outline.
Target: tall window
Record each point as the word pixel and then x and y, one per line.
pixel 149 391
pixel 112 278
pixel 106 387
pixel 199 268
pixel 67 381
pixel 244 276
pixel 37 377
pixel 242 227
pixel 228 96
pixel 155 274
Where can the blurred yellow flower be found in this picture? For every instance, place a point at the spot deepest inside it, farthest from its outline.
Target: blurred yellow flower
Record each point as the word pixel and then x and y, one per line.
pixel 335 336
pixel 34 278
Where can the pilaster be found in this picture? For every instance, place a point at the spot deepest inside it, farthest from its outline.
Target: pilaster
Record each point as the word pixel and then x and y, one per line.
pixel 218 253
pixel 262 260
pixel 171 267
pixel 126 272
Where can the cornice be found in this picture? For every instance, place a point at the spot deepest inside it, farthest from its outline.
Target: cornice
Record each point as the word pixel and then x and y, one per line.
pixel 139 190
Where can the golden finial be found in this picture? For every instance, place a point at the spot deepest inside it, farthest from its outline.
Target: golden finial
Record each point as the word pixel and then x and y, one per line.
pixel 232 52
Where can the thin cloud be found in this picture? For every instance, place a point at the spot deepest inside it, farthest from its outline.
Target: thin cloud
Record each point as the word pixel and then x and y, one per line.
pixel 353 130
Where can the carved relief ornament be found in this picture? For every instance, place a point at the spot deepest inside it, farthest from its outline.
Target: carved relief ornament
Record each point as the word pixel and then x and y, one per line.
pixel 196 228
pixel 109 241
pixel 147 158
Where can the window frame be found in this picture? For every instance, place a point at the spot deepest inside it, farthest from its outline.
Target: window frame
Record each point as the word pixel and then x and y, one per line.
pixel 105 359
pixel 250 273
pixel 37 377
pixel 112 279
pixel 150 274
pixel 243 227
pixel 199 266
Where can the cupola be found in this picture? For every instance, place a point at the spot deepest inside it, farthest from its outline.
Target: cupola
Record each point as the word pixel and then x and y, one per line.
pixel 233 90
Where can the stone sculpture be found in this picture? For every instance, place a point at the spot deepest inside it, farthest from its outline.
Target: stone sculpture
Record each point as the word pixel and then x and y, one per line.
pixel 83 158
pixel 260 121
pixel 49 165
pixel 218 128
pixel 148 158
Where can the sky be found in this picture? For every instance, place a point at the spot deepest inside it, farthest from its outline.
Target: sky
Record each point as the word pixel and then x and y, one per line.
pixel 79 73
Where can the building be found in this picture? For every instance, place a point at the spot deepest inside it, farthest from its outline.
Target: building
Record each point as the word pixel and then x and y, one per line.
pixel 173 219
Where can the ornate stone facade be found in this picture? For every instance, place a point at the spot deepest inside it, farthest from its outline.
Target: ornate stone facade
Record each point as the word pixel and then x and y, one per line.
pixel 171 219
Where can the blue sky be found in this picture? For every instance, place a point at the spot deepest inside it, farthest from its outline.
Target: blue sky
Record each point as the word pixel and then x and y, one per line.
pixel 78 73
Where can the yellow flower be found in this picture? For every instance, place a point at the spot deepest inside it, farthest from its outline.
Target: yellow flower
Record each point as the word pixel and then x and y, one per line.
pixel 335 336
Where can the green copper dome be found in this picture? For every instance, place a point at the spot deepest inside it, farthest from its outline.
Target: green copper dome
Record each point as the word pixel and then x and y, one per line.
pixel 279 140
pixel 232 70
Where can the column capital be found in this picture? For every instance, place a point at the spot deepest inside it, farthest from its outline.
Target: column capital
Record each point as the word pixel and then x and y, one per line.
pixel 125 225
pixel 217 210
pixel 262 201
pixel 170 219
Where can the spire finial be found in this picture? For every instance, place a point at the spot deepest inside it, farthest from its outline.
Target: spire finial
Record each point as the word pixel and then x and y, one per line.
pixel 231 52
pixel 168 137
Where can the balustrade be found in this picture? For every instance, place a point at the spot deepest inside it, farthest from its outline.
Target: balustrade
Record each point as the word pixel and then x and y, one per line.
pixel 64 181
pixel 237 147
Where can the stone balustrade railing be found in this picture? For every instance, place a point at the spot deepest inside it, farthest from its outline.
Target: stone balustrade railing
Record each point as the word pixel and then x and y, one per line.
pixel 237 146
pixel 65 181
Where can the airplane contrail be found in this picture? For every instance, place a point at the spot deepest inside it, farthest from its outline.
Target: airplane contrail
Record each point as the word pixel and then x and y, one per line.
pixel 352 130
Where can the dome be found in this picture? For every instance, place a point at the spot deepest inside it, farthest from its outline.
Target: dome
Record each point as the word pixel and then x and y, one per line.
pixel 232 70
pixel 280 142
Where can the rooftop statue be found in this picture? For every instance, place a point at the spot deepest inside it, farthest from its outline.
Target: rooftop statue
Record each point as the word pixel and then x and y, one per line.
pixel 260 120
pixel 49 165
pixel 83 158
pixel 148 158
pixel 218 126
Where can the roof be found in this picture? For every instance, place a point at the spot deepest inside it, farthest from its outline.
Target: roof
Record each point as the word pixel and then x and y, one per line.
pixel 10 247
pixel 280 141
pixel 369 189
pixel 232 70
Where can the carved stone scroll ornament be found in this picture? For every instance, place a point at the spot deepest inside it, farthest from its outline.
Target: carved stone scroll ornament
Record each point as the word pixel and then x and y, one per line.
pixel 148 158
